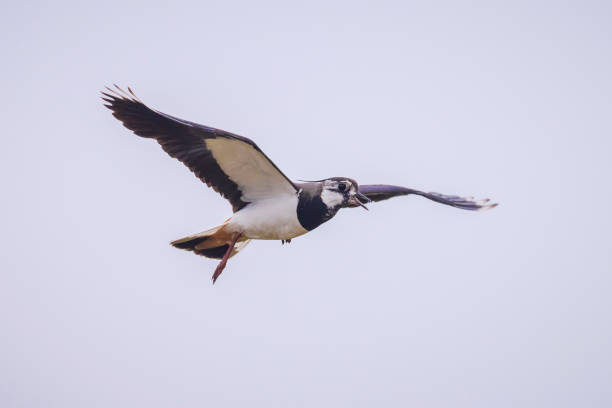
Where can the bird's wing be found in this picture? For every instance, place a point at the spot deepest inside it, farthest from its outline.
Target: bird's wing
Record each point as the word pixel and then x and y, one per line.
pixel 379 192
pixel 232 165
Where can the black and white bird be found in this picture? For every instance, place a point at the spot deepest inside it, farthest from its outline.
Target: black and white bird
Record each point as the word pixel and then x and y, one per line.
pixel 266 203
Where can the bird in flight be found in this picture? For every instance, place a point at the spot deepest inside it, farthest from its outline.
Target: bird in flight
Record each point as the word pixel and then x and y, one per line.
pixel 266 204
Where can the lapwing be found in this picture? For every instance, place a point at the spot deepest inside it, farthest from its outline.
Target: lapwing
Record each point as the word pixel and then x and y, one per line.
pixel 266 204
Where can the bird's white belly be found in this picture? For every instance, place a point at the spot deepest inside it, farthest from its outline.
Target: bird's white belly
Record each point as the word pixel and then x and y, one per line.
pixel 275 218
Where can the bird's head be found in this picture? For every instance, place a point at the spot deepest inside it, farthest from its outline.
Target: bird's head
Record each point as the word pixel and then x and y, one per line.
pixel 340 192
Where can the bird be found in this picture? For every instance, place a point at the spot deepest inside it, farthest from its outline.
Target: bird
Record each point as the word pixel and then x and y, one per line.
pixel 266 204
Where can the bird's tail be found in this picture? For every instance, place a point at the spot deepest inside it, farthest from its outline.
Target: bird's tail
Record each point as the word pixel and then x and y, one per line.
pixel 212 243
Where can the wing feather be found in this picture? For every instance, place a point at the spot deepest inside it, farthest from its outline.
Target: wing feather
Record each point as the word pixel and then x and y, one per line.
pixel 380 192
pixel 231 164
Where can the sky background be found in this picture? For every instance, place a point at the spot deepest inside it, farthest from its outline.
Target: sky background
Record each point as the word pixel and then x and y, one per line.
pixel 411 304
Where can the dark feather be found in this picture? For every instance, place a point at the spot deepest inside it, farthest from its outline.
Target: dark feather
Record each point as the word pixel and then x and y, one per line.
pixel 379 192
pixel 182 140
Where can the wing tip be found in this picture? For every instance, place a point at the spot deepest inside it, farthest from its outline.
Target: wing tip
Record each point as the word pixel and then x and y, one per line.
pixel 117 94
pixel 464 203
pixel 486 207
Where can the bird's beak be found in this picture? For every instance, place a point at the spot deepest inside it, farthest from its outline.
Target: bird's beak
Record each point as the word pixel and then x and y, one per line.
pixel 359 199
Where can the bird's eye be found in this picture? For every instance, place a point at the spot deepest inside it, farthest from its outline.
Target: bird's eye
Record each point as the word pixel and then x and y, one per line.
pixel 342 187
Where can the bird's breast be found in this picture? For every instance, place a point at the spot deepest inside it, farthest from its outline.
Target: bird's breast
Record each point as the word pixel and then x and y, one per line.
pixel 274 218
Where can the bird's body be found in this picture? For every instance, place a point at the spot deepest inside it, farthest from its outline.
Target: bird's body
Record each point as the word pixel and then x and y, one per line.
pixel 267 205
pixel 275 218
pixel 287 216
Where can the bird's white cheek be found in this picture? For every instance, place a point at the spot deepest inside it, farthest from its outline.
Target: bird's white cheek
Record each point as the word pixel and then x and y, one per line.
pixel 331 198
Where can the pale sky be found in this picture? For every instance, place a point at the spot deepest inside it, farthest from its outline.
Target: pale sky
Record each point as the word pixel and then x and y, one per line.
pixel 410 304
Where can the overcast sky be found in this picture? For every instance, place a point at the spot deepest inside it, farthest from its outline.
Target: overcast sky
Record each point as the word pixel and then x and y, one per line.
pixel 410 304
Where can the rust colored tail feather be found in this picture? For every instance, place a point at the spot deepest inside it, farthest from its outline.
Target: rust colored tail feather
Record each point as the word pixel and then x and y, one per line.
pixel 212 243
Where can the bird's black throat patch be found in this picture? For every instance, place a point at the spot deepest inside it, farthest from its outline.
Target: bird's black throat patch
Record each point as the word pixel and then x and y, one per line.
pixel 312 211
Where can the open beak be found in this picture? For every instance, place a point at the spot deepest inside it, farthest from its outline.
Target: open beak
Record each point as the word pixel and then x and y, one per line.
pixel 359 199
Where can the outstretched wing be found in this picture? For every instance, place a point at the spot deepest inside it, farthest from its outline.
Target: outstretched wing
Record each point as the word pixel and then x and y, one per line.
pixel 232 165
pixel 379 192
